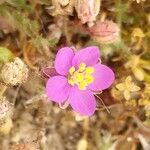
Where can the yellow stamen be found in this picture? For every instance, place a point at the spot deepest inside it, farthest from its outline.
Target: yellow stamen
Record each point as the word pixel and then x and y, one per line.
pixel 71 82
pixel 82 85
pixel 82 67
pixel 89 79
pixel 89 70
pixel 72 70
pixel 81 77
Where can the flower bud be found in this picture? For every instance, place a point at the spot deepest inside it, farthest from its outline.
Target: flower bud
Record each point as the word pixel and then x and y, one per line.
pixel 105 32
pixel 87 10
pixel 15 72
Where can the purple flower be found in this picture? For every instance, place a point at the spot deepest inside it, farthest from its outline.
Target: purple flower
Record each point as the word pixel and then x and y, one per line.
pixel 78 76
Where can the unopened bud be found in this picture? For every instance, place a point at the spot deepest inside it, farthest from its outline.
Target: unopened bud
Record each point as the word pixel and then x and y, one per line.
pixel 105 32
pixel 87 10
pixel 15 72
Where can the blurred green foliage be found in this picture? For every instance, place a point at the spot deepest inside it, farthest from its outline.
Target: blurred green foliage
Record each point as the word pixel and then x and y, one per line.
pixel 5 55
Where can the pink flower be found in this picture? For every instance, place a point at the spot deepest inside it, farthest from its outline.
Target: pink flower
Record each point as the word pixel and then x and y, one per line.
pixel 78 76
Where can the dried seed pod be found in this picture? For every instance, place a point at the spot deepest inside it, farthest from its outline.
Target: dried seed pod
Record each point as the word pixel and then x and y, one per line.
pixel 87 10
pixel 15 72
pixel 105 32
pixel 6 110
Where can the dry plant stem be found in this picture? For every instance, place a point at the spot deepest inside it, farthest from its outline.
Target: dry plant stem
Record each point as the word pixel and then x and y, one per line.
pixel 35 99
pixel 127 133
pixel 85 127
pixel 26 49
pixel 3 89
pixel 66 32
pixel 110 107
pixel 42 24
pixel 16 93
pixel 103 103
pixel 140 124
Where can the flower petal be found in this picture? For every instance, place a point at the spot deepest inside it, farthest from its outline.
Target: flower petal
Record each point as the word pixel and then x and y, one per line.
pixel 126 94
pixel 57 89
pixel 121 86
pixel 63 60
pixel 103 77
pixel 134 88
pixel 88 55
pixel 83 101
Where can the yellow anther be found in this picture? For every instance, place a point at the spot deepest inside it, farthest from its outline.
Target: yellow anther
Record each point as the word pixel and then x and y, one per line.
pixel 71 82
pixel 89 70
pixel 72 70
pixel 79 77
pixel 89 79
pixel 82 85
pixel 82 67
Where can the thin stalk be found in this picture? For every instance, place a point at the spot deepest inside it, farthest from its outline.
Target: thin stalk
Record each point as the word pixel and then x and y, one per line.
pixel 103 103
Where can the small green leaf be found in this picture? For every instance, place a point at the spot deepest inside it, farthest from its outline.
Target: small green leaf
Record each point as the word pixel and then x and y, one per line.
pixel 5 55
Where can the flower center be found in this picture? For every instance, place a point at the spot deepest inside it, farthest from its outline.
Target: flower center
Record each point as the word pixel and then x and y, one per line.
pixel 81 77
